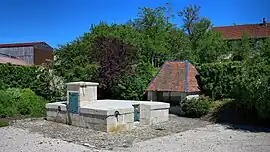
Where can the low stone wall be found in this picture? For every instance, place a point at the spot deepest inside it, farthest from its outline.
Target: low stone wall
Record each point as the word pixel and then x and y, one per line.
pixel 153 113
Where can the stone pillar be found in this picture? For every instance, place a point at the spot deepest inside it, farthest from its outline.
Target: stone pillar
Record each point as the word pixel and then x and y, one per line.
pixel 87 92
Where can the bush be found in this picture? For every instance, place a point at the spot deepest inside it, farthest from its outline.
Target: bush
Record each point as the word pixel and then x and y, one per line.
pixel 36 78
pixel 22 103
pixel 196 108
pixel 7 104
pixel 218 80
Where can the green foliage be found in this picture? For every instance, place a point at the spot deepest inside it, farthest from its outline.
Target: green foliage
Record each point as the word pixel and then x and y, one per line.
pixel 15 102
pixel 31 104
pixel 247 82
pixel 205 45
pixel 253 86
pixel 40 79
pixel 218 80
pixel 7 104
pixel 132 87
pixel 196 108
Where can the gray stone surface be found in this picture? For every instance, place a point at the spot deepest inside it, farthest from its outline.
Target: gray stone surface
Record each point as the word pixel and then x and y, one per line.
pixel 20 140
pixel 107 141
pixel 191 135
pixel 212 138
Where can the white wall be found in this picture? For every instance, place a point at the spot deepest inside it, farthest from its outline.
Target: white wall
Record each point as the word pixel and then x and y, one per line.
pixel 151 96
pixel 173 96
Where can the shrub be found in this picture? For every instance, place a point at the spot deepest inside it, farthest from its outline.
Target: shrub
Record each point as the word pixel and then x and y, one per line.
pixel 195 108
pixel 38 79
pixel 218 80
pixel 7 104
pixel 31 104
pixel 15 102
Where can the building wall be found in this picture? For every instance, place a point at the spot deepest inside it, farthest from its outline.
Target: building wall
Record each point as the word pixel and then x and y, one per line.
pixel 25 53
pixel 165 96
pixel 41 55
pixel 173 97
pixel 151 95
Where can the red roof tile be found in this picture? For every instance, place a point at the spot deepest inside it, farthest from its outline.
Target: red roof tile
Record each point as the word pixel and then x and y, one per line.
pixel 171 77
pixel 238 31
pixel 13 61
pixel 20 44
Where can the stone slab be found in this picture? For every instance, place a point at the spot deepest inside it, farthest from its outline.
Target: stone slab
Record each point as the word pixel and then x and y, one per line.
pixel 56 104
pixel 82 83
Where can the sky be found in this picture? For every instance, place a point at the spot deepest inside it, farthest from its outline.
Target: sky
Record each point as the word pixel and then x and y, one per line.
pixel 57 22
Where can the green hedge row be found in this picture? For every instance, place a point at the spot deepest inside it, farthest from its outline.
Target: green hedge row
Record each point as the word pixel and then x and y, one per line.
pixel 12 76
pixel 248 83
pixel 218 80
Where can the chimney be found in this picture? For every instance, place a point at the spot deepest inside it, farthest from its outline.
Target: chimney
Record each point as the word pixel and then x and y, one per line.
pixel 264 21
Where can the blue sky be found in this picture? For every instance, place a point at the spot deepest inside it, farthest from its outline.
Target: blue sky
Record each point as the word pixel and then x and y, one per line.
pixel 60 21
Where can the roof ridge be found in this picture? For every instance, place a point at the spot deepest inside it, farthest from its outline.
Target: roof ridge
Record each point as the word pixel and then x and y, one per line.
pixel 239 25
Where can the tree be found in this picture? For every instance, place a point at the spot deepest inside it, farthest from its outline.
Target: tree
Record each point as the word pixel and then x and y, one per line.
pixel 241 50
pixel 155 26
pixel 115 59
pixel 194 25
pixel 73 61
pixel 205 45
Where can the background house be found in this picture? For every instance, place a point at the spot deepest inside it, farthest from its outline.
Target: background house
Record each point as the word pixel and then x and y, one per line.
pixel 236 32
pixel 32 53
pixel 13 61
pixel 175 81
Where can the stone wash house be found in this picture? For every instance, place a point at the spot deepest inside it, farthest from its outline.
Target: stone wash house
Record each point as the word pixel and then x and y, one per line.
pixel 175 81
pixel 34 53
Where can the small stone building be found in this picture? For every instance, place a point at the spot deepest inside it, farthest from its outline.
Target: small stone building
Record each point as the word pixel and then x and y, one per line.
pixel 175 81
pixel 83 109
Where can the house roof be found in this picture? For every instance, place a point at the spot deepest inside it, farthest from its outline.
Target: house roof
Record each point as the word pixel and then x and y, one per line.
pixel 176 76
pixel 13 61
pixel 238 31
pixel 21 44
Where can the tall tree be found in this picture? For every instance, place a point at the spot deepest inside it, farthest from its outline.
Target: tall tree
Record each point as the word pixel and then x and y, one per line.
pixel 115 59
pixel 154 25
pixel 205 46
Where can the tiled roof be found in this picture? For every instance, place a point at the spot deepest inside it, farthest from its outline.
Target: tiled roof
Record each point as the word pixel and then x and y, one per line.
pixel 13 61
pixel 238 31
pixel 20 44
pixel 177 76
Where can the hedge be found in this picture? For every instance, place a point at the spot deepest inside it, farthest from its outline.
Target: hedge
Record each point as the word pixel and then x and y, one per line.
pixel 218 80
pixel 12 76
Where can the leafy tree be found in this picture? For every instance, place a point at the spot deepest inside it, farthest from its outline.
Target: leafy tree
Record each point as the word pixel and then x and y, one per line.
pixel 242 49
pixel 194 25
pixel 115 59
pixel 205 45
pixel 73 61
pixel 155 28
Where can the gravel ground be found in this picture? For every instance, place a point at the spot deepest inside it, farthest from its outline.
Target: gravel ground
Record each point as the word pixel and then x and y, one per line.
pixel 101 140
pixel 211 138
pixel 180 134
pixel 20 140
